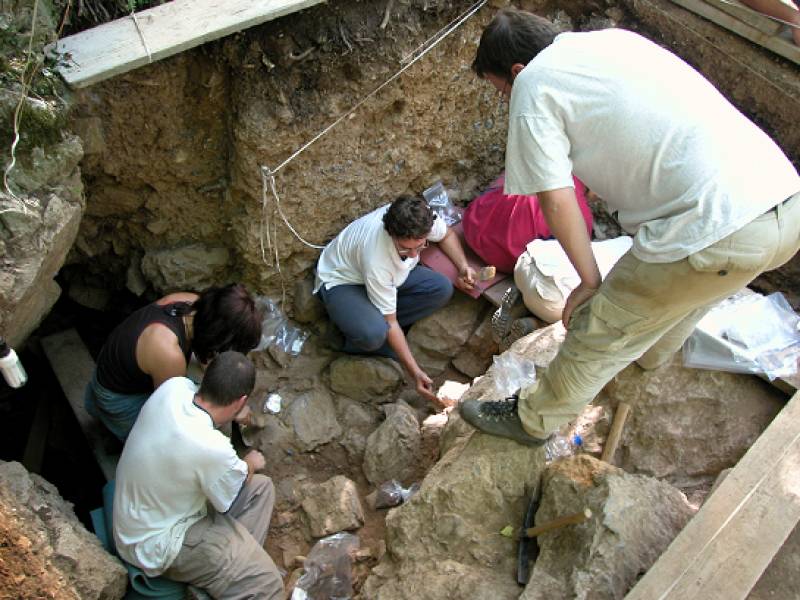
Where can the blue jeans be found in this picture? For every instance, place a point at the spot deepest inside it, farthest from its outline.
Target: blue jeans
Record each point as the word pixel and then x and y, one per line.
pixel 116 411
pixel 363 325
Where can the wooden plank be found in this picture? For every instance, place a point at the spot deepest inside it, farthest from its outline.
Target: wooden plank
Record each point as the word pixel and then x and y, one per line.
pixel 747 15
pixel 73 367
pixel 778 44
pixel 119 46
pixel 728 544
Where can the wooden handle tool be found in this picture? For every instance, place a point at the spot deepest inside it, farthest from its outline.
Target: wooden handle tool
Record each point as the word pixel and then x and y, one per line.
pixel 620 416
pixel 575 519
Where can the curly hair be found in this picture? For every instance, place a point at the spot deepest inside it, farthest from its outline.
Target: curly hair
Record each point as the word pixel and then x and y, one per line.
pixel 225 318
pixel 409 218
pixel 512 37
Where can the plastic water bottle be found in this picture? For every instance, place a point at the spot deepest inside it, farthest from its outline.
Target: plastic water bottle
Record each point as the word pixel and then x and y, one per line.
pixel 11 367
pixel 561 446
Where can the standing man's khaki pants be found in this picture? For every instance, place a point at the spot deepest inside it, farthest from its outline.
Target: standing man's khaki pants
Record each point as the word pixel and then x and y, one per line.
pixel 223 554
pixel 645 311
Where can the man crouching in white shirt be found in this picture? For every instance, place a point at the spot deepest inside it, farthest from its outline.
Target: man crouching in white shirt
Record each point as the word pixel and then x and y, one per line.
pixel 373 288
pixel 185 505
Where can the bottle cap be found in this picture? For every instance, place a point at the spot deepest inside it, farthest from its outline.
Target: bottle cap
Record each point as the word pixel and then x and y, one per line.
pixel 578 440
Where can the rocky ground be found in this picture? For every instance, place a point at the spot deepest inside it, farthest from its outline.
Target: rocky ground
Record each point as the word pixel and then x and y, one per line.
pixel 150 182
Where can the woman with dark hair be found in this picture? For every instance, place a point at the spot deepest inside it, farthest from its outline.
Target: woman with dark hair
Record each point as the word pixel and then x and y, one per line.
pixel 156 343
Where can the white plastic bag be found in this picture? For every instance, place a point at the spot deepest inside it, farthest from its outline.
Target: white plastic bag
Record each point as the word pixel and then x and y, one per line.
pixel 327 569
pixel 437 198
pixel 276 330
pixel 510 372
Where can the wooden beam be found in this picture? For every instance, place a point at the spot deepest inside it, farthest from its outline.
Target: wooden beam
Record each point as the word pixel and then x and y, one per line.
pixel 722 552
pixel 73 367
pixel 779 45
pixel 747 15
pixel 125 44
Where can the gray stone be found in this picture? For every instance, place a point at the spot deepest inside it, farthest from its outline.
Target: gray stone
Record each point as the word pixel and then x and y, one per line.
pixel 368 379
pixel 782 577
pixel 686 425
pixel 476 356
pixel 90 297
pixel 312 417
pixel 634 519
pixel 393 450
pixel 90 130
pixel 437 338
pixel 134 280
pixel 306 307
pixel 59 546
pixel 192 267
pixel 332 506
pixel 358 421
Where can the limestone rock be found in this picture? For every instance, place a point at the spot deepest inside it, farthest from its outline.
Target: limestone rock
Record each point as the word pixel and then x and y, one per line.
pixel 367 379
pixel 634 519
pixel 50 539
pixel 192 267
pixel 90 297
pixel 393 450
pixel 358 421
pixel 686 425
pixel 437 338
pixel 312 417
pixel 332 506
pixel 307 308
pixel 476 356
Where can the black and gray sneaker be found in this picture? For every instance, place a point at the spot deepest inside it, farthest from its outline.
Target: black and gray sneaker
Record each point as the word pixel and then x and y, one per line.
pixel 497 417
pixel 504 316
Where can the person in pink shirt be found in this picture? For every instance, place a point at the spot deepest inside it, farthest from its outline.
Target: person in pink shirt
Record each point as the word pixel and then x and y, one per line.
pixel 498 227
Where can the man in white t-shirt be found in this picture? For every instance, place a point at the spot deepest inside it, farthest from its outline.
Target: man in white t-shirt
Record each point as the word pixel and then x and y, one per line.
pixel 710 200
pixel 185 505
pixel 373 287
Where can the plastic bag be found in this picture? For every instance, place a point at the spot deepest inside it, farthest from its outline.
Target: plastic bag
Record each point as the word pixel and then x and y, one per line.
pixel 511 372
pixel 277 333
pixel 437 198
pixel 747 333
pixel 391 493
pixel 327 569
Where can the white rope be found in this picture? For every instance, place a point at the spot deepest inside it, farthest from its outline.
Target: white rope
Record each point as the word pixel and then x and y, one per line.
pixel 141 37
pixel 17 111
pixel 268 174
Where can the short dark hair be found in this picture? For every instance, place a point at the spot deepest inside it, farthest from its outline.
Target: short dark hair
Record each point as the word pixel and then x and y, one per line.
pixel 225 318
pixel 512 37
pixel 230 376
pixel 408 218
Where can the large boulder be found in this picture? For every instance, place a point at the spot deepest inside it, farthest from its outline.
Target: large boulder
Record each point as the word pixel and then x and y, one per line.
pixel 476 356
pixel 190 267
pixel 367 379
pixel 437 338
pixel 312 417
pixel 687 425
pixel 634 519
pixel 332 506
pixel 45 551
pixel 394 449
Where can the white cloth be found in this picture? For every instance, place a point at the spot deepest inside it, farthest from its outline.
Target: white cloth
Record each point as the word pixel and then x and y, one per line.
pixel 173 462
pixel 557 275
pixel 364 254
pixel 646 132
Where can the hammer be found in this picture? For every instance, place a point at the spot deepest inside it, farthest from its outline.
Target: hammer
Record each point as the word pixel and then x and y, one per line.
pixel 621 414
pixel 574 519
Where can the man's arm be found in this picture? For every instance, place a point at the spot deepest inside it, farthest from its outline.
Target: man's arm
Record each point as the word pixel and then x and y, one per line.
pixel 397 342
pixel 563 216
pixel 451 246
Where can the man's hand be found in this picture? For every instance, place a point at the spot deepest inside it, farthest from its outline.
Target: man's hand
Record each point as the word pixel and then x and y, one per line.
pixel 424 386
pixel 255 461
pixel 466 279
pixel 579 295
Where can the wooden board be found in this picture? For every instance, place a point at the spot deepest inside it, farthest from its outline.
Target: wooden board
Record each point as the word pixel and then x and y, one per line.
pixel 722 552
pixel 777 43
pixel 73 367
pixel 117 47
pixel 747 15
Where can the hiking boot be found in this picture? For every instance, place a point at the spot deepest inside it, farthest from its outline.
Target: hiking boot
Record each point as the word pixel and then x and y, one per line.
pixel 519 329
pixel 497 417
pixel 504 316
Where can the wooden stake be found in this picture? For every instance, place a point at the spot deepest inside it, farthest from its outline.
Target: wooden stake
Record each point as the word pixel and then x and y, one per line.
pixel 575 519
pixel 621 414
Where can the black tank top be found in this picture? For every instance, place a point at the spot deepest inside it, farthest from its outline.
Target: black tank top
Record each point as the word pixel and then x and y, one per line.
pixel 117 369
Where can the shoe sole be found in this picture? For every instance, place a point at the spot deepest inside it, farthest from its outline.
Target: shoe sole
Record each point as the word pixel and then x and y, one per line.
pixel 502 317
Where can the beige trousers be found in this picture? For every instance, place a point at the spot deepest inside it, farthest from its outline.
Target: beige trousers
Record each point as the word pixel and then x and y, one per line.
pixel 645 311
pixel 223 554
